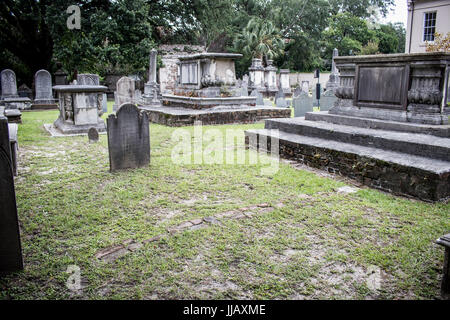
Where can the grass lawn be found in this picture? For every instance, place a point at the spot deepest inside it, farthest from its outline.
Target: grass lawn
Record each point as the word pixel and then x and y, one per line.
pixel 290 235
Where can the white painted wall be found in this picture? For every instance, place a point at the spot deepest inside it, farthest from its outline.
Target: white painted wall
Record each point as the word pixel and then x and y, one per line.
pixel 414 29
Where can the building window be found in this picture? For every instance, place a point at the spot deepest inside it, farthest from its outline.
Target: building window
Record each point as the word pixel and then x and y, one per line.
pixel 429 26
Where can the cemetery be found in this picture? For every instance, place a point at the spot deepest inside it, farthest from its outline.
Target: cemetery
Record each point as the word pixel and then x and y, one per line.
pixel 233 170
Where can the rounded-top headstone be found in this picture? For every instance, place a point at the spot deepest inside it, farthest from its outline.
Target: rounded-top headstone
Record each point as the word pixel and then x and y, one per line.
pixel 9 84
pixel 93 135
pixel 43 83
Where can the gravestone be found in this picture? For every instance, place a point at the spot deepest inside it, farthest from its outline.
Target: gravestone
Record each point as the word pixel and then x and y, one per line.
pixel 88 79
pixel 60 76
pixel 128 138
pixel 244 91
pixel 93 135
pixel 327 100
pixel 333 82
pixel 10 246
pixel 297 91
pixel 259 97
pixel 105 103
pixel 305 86
pixel 302 104
pixel 445 285
pixel 25 92
pixel 280 94
pixel 9 85
pixel 125 92
pixel 282 103
pixel 43 88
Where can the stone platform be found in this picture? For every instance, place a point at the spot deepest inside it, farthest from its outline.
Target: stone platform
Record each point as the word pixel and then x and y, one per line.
pixel 402 158
pixel 180 116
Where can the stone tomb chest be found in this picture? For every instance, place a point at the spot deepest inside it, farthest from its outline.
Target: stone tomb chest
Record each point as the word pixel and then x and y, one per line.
pixel 207 80
pixel 81 107
pixel 395 87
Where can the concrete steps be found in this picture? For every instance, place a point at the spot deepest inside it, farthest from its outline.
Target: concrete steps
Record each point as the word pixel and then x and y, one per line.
pixel 408 143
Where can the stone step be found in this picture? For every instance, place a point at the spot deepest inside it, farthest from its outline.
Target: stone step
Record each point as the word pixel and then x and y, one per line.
pixel 435 130
pixel 409 143
pixel 400 173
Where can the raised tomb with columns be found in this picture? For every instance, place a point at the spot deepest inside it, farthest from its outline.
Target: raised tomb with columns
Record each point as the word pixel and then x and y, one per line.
pixel 207 91
pixel 388 129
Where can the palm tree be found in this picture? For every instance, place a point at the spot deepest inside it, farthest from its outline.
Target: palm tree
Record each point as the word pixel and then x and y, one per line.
pixel 260 39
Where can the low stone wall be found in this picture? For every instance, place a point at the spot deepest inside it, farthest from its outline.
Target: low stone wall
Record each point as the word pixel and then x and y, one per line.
pixel 212 118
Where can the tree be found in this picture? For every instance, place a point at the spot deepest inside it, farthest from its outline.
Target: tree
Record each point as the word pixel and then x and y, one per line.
pixel 260 39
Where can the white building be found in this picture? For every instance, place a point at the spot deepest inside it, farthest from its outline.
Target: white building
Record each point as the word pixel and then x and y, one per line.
pixel 425 17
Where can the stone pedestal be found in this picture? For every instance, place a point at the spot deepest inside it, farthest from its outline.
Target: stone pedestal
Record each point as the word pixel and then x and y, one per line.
pixel 80 108
pixel 270 76
pixel 333 82
pixel 152 90
pixel 284 82
pixel 256 72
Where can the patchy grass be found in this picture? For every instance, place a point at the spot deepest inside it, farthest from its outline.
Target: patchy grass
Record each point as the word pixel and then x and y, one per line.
pixel 299 237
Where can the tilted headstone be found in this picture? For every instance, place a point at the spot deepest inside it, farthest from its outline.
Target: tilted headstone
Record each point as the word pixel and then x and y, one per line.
pixel 88 79
pixel 327 100
pixel 93 135
pixel 43 88
pixel 259 97
pixel 302 104
pixel 125 92
pixel 10 246
pixel 128 138
pixel 9 84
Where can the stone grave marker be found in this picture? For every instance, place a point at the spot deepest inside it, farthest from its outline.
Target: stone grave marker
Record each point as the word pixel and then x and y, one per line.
pixel 259 97
pixel 282 103
pixel 305 86
pixel 105 103
pixel 297 92
pixel 88 79
pixel 280 94
pixel 43 88
pixel 128 138
pixel 327 100
pixel 302 104
pixel 93 135
pixel 9 84
pixel 244 91
pixel 25 92
pixel 10 246
pixel 125 92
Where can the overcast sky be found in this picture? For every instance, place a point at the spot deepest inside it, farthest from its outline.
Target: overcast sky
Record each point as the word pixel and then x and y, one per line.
pixel 399 13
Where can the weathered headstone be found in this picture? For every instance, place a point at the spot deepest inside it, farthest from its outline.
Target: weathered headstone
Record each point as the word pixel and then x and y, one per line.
pixel 128 138
pixel 297 91
pixel 327 100
pixel 445 285
pixel 125 92
pixel 93 135
pixel 244 91
pixel 25 92
pixel 9 84
pixel 280 94
pixel 281 103
pixel 88 79
pixel 105 103
pixel 43 88
pixel 259 97
pixel 302 104
pixel 10 246
pixel 305 86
